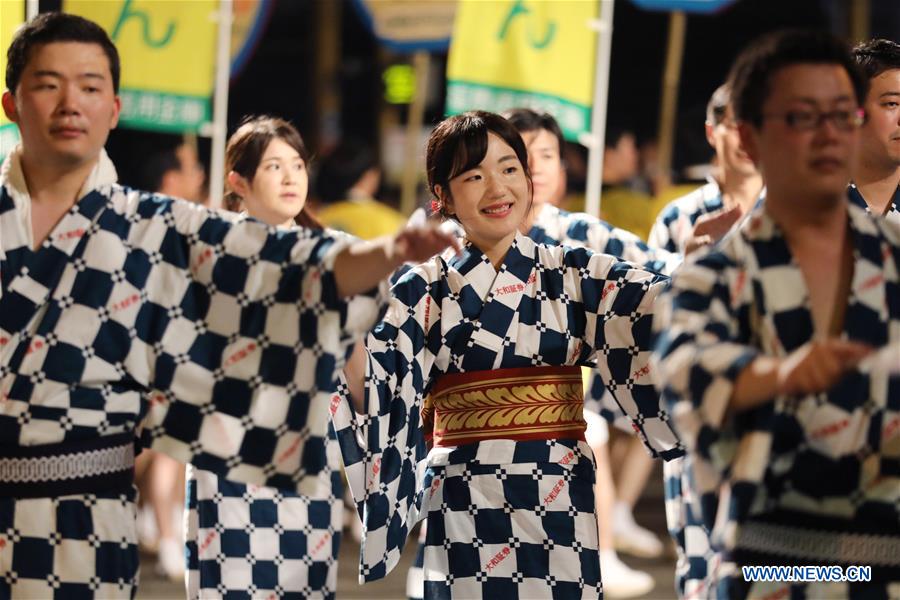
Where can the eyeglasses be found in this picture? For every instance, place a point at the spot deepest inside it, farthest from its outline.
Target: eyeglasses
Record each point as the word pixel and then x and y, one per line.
pixel 807 120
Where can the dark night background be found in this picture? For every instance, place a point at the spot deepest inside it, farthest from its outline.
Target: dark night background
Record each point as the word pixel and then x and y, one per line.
pixel 280 78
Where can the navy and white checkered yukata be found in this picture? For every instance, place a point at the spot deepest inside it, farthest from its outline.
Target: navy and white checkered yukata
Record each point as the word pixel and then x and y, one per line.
pixel 214 337
pixel 556 227
pixel 505 517
pixel 809 481
pixel 261 541
pixel 672 231
pixel 267 542
pixel 892 210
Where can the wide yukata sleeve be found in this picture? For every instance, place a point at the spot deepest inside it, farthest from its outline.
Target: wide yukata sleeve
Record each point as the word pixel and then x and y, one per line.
pixel 702 344
pixel 615 299
pixel 384 449
pixel 661 234
pixel 240 337
pixel 623 244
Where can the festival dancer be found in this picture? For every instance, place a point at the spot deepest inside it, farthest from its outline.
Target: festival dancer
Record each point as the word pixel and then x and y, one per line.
pixel 215 338
pixel 488 347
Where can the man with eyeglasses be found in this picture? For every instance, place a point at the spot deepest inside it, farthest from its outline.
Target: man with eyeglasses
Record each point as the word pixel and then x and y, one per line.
pixel 876 183
pixel 763 343
pixel 706 214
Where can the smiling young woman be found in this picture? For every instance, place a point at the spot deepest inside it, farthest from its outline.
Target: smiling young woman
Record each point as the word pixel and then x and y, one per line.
pixel 479 357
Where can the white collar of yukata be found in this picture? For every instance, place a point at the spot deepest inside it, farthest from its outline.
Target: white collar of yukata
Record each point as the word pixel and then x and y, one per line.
pixel 471 256
pixel 12 176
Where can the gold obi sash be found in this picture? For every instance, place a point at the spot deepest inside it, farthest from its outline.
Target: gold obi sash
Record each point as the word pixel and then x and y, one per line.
pixel 534 403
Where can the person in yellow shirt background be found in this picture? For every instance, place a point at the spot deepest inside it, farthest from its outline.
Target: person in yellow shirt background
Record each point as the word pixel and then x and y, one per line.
pixel 345 187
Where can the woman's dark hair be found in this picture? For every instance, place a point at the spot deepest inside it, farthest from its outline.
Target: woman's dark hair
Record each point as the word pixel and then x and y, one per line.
pixel 245 150
pixel 460 143
pixel 751 75
pixel 527 120
pixel 50 27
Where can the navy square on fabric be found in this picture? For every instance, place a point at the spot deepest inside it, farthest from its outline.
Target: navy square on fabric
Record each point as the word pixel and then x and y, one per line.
pixel 563 590
pixel 235 542
pixel 33 558
pixel 263 513
pixel 277 365
pixel 112 560
pixel 65 363
pixel 253 320
pixel 208 512
pixel 92 288
pixel 493 525
pixel 456 494
pixel 112 343
pixel 319 514
pixel 521 491
pixel 292 544
pixel 73 591
pixel 561 524
pixel 174 249
pixel 318 575
pixel 500 588
pixel 183 420
pixel 533 560
pixel 7 513
pixel 258 446
pixel 230 274
pixel 464 559
pixel 73 520
pixel 210 570
pixel 265 574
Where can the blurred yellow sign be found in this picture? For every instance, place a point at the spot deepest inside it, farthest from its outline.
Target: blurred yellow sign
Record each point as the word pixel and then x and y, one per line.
pixel 12 14
pixel 167 49
pixel 531 53
pixel 409 25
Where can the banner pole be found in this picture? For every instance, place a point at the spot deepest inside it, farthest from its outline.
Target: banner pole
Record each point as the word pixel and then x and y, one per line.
pixel 220 105
pixel 597 138
pixel 32 8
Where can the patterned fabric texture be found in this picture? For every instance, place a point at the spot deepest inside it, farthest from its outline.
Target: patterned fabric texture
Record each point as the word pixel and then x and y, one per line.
pixel 893 207
pixel 252 541
pixel 827 462
pixel 543 306
pixel 675 223
pixel 213 337
pixel 555 227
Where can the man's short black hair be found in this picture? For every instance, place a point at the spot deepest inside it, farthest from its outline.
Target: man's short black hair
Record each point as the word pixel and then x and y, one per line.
pixel 52 27
pixel 342 168
pixel 877 56
pixel 154 168
pixel 751 75
pixel 526 120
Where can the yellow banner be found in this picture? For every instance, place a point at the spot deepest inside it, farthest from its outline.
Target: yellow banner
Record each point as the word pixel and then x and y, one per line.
pixel 537 53
pixel 12 14
pixel 167 49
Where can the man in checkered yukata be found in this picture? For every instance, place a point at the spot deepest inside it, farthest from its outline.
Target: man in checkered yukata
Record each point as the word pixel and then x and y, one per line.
pixel 876 182
pixel 763 343
pixel 686 224
pixel 480 355
pixel 213 337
